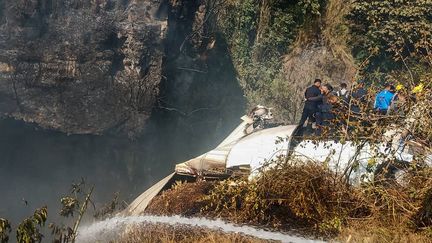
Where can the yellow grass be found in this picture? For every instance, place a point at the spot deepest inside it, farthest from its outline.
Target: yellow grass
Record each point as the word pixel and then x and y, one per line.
pixel 179 234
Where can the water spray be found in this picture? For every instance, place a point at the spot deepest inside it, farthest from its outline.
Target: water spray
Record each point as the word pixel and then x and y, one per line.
pixel 107 230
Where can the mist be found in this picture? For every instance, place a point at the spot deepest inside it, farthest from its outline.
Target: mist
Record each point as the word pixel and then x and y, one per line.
pixel 71 73
pixel 38 166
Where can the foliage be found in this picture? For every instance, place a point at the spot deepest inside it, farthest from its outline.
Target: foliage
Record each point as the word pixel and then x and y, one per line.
pixel 304 194
pixel 397 212
pixel 28 230
pixel 5 229
pixel 61 233
pixel 420 190
pixel 182 198
pixel 259 34
pixel 74 205
pixel 109 209
pixel 308 195
pixel 76 202
pixel 393 34
pixel 69 205
pixel 313 7
pixel 392 40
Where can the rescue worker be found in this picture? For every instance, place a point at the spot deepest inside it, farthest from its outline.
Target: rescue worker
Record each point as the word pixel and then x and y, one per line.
pixel 383 99
pixel 358 96
pixel 311 106
pixel 325 110
pixel 343 91
pixel 397 102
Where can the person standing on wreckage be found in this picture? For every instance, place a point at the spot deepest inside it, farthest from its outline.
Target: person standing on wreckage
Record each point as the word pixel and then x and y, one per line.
pixel 310 106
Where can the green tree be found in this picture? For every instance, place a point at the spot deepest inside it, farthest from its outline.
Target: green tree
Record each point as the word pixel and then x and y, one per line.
pixel 393 34
pixel 29 229
pixel 259 34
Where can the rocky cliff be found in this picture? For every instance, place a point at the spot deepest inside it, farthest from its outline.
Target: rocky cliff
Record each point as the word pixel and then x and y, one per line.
pixel 80 66
pixel 93 67
pixel 105 66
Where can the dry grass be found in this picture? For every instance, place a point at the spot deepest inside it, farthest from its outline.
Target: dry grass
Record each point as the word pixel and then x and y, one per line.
pixel 370 234
pixel 300 195
pixel 182 199
pixel 171 234
pixel 365 231
pixel 311 199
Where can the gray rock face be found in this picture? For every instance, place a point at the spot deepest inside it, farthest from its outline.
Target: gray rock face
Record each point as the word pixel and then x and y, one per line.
pixel 104 66
pixel 80 66
pixel 306 63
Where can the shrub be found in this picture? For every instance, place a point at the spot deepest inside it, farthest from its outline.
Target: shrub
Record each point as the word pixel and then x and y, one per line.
pixel 182 198
pixel 305 194
pixel 259 34
pixel 392 34
pixel 29 229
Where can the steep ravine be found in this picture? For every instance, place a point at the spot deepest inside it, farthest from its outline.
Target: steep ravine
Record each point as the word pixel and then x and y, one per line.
pixel 130 79
pixel 104 67
pixel 97 67
pixel 80 67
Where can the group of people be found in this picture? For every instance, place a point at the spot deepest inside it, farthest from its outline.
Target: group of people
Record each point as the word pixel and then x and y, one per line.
pixel 322 103
pixel 318 105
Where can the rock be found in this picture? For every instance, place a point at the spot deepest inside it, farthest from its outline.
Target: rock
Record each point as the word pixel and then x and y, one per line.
pixel 315 60
pixel 81 66
pixel 104 66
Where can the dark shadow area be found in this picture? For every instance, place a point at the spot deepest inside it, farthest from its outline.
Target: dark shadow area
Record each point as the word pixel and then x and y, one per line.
pixel 201 100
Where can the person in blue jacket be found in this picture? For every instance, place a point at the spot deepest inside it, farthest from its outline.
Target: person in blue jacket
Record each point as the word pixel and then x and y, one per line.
pixel 383 99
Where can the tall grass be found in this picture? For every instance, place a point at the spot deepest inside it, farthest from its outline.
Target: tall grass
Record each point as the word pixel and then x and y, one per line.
pixel 171 234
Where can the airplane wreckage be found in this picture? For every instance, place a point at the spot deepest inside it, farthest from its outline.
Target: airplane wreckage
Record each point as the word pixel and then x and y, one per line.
pixel 255 143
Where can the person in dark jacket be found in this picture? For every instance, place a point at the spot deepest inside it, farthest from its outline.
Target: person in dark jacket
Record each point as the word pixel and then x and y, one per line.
pixel 358 96
pixel 325 113
pixel 311 106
